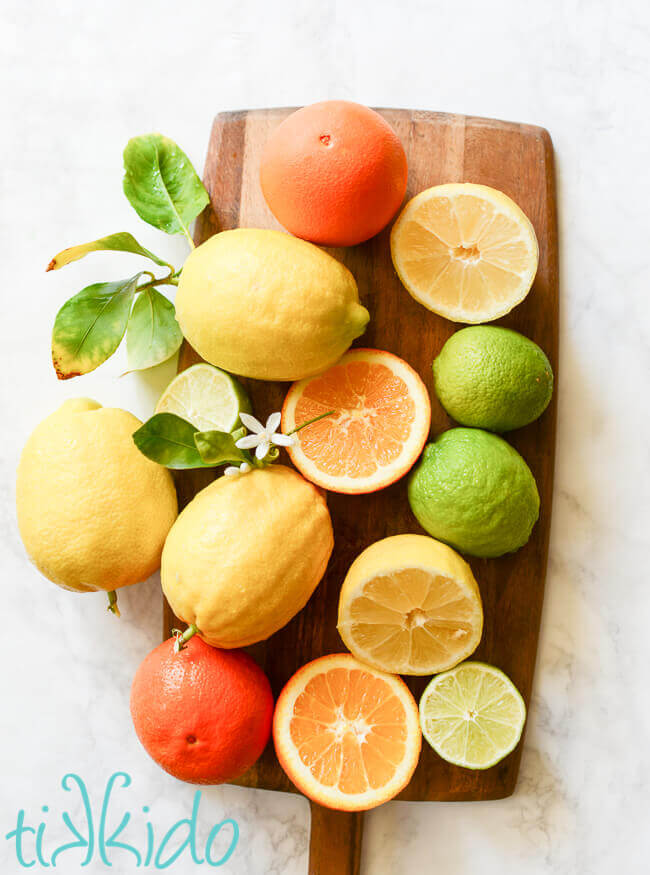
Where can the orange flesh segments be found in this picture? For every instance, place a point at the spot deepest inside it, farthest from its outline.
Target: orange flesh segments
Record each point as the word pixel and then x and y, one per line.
pixel 380 421
pixel 346 734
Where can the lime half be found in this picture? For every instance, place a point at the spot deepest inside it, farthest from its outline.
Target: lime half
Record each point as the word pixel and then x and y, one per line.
pixel 207 397
pixel 472 715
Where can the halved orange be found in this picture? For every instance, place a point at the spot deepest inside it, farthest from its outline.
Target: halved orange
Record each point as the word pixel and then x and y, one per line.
pixel 347 735
pixel 379 425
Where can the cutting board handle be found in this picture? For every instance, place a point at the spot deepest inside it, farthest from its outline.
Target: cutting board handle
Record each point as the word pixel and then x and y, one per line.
pixel 335 843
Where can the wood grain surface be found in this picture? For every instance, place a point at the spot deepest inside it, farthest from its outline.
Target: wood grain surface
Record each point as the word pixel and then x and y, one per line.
pixel 517 159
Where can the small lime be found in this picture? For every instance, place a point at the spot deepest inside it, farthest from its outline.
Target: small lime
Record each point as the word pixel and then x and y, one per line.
pixel 207 397
pixel 473 491
pixel 472 715
pixel 491 377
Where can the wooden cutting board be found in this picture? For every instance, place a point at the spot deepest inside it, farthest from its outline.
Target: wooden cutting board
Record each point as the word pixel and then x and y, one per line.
pixel 517 159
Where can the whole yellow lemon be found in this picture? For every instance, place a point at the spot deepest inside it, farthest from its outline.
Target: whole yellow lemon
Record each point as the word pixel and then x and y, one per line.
pixel 93 512
pixel 266 305
pixel 246 554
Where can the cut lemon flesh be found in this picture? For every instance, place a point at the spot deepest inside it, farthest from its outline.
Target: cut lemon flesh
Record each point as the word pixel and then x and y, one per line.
pixel 410 605
pixel 380 421
pixel 207 397
pixel 465 251
pixel 473 715
pixel 347 735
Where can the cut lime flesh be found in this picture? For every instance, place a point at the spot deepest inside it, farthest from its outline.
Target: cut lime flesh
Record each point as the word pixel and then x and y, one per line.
pixel 472 715
pixel 208 397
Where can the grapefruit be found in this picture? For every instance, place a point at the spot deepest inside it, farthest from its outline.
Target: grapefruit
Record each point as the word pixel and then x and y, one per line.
pixel 380 421
pixel 334 173
pixel 347 735
pixel 204 715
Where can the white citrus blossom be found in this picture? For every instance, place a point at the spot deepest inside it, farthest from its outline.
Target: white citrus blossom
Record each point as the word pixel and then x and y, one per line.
pixel 234 470
pixel 263 435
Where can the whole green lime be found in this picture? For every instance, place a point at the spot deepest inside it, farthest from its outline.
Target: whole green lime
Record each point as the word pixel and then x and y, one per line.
pixel 491 377
pixel 473 491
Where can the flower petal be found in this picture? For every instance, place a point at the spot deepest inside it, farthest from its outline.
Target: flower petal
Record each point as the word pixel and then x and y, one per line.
pixel 249 441
pixel 273 422
pixel 262 449
pixel 231 471
pixel 284 440
pixel 244 468
pixel 251 423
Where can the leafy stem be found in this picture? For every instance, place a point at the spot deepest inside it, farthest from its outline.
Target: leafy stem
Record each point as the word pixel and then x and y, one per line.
pixel 165 191
pixel 169 280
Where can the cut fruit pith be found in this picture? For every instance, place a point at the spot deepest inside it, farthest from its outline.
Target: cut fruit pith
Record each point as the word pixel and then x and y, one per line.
pixel 345 734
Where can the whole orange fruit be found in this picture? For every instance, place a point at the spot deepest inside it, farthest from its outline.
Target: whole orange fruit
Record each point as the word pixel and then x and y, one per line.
pixel 334 173
pixel 203 714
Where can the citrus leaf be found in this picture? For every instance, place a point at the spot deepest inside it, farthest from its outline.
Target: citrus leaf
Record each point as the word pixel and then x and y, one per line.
pixel 120 242
pixel 218 447
pixel 169 440
pixel 153 335
pixel 90 326
pixel 161 184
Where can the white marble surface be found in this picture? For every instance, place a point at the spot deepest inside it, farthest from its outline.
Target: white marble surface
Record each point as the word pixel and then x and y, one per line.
pixel 78 79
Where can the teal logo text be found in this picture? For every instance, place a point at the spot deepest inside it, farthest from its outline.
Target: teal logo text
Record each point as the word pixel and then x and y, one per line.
pixel 92 839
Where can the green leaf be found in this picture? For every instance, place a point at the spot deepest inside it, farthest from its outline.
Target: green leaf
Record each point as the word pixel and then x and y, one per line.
pixel 218 447
pixel 153 334
pixel 90 326
pixel 169 440
pixel 161 184
pixel 120 242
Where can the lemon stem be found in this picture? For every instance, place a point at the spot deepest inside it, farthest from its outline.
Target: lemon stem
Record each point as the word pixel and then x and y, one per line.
pixel 311 421
pixel 112 603
pixel 183 637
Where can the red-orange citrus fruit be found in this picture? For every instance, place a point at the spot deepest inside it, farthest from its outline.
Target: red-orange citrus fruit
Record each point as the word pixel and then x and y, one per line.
pixel 203 714
pixel 334 173
pixel 379 421
pixel 347 735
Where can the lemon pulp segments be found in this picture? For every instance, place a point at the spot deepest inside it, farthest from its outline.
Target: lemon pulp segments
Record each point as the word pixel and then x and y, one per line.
pixel 473 715
pixel 465 251
pixel 410 605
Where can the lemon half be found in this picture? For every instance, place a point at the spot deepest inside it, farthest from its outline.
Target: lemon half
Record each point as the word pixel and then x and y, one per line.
pixel 410 605
pixel 465 251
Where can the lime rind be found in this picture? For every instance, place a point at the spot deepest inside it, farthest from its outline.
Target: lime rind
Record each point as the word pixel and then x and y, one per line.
pixel 472 715
pixel 207 397
pixel 472 490
pixel 488 376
